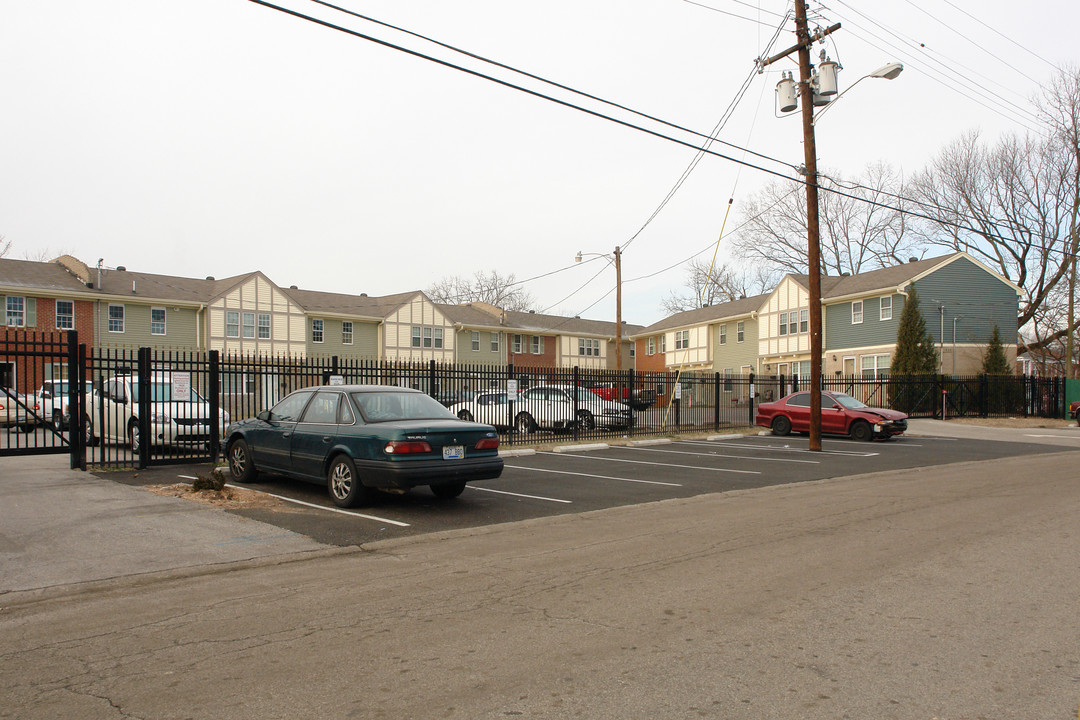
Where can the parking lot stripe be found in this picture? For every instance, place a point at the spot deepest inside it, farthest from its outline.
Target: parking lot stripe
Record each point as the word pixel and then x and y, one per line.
pixel 321 507
pixel 718 455
pixel 504 492
pixel 645 462
pixel 848 453
pixel 602 477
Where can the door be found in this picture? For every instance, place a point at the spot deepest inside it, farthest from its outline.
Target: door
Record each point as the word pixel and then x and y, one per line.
pixel 315 434
pixel 271 443
pixel 833 420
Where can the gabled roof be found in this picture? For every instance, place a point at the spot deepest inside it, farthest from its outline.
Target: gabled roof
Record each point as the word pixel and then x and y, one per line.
pixel 38 276
pixel 341 304
pixel 540 323
pixel 707 315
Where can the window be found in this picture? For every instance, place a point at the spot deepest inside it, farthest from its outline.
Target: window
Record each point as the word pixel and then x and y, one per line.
pixel 157 321
pixel 783 323
pixel 740 331
pixel 804 321
pixel 856 312
pixel 875 366
pixel 793 323
pixel 427 337
pixel 232 324
pixel 323 409
pixel 438 337
pixel 264 326
pixel 496 342
pixel 116 318
pixel 16 311
pixel 65 315
pixel 589 347
pixel 249 325
pixel 316 331
pixel 415 337
pixel 682 339
pixel 800 400
pixel 650 346
pixel 476 341
pixel 886 308
pixel 723 334
pixel 537 347
pixel 517 344
pixel 663 343
pixel 729 384
pixel 346 332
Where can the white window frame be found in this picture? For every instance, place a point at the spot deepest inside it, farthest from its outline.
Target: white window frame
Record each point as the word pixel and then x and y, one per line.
pixel 517 344
pixel 163 323
pixel 783 323
pixel 496 342
pixel 793 323
pixel 723 334
pixel 885 312
pixel 874 366
pixel 740 331
pixel 804 321
pixel 260 326
pixel 536 346
pixel 650 346
pixel 415 337
pixel 16 310
pixel 663 343
pixel 232 323
pixel 438 341
pixel 247 325
pixel 318 330
pixel 118 320
pixel 70 325
pixel 346 332
pixel 429 338
pixel 476 341
pixel 682 339
pixel 856 312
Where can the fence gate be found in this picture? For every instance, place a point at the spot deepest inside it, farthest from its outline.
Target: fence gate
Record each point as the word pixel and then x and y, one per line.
pixel 40 381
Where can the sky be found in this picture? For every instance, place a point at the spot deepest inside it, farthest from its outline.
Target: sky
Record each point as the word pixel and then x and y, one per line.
pixel 219 137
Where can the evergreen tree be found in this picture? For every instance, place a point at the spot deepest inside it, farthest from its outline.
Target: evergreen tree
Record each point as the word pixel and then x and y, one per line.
pixel 994 361
pixel 915 351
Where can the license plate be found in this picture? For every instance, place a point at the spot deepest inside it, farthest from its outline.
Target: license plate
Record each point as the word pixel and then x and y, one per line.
pixel 453 452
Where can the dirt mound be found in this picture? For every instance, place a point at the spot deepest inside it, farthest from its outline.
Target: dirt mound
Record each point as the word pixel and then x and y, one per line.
pixel 228 498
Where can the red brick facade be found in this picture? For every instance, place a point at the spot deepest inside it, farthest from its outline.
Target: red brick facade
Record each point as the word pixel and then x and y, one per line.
pixel 527 358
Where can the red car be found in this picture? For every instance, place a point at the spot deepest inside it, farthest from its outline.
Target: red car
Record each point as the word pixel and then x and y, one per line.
pixel 840 415
pixel 1074 411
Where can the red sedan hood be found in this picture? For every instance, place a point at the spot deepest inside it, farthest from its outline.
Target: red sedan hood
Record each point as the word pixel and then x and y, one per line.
pixel 885 413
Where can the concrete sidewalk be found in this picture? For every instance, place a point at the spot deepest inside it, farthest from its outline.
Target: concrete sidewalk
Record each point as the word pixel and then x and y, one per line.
pixel 61 526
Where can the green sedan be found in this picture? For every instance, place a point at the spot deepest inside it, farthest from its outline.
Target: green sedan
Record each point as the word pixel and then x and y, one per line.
pixel 362 438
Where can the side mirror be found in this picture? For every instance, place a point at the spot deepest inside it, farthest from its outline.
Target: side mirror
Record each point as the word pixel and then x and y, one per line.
pixel 264 416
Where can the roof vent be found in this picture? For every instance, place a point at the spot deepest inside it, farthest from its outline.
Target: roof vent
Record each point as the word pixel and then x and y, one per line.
pixel 209 277
pixel 911 260
pixel 363 294
pixel 293 287
pixel 121 268
pixel 845 274
pixel 742 297
pixel 532 312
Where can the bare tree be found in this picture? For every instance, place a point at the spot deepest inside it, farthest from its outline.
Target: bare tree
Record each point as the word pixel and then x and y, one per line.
pixel 1014 205
pixel 863 226
pixel 723 284
pixel 489 287
pixel 5 246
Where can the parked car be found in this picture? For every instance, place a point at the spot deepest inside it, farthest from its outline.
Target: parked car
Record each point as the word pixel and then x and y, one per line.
pixel 178 414
pixel 636 398
pixel 52 397
pixel 18 412
pixel 529 413
pixel 1074 411
pixel 451 397
pixel 358 438
pixel 592 411
pixel 841 414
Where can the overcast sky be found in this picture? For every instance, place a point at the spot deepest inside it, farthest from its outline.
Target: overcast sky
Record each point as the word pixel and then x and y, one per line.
pixel 217 137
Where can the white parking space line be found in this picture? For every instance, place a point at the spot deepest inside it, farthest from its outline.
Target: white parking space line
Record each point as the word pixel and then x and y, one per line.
pixel 312 505
pixel 785 449
pixel 521 495
pixel 719 455
pixel 645 462
pixel 590 475
pixel 1058 437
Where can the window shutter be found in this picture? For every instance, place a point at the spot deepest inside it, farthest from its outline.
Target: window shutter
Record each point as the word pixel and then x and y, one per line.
pixel 3 310
pixel 31 312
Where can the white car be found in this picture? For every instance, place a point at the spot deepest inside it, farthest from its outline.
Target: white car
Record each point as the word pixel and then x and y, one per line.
pixel 592 411
pixel 493 408
pixel 52 398
pixel 174 420
pixel 18 412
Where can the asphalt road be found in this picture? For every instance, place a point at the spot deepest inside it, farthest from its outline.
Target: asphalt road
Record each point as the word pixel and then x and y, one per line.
pixel 948 592
pixel 574 481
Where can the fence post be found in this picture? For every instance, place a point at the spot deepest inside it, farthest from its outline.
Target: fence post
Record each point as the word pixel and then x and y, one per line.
pixel 577 423
pixel 751 395
pixel 431 377
pixel 213 390
pixel 510 404
pixel 631 402
pixel 716 403
pixel 75 384
pixel 145 390
pixel 984 395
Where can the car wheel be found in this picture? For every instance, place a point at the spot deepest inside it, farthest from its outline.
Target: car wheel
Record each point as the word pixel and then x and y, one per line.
pixel 465 415
pixel 58 420
pixel 524 423
pixel 781 425
pixel 861 430
pixel 448 491
pixel 133 436
pixel 88 431
pixel 344 484
pixel 586 420
pixel 241 464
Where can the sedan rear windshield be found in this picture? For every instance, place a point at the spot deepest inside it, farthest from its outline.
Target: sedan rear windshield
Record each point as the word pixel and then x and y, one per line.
pixel 389 406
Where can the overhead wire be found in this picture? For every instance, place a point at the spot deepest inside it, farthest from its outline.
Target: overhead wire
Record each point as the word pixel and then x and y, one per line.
pixel 1003 35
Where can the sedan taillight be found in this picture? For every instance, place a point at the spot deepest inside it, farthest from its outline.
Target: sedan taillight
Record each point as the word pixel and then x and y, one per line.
pixel 488 444
pixel 403 447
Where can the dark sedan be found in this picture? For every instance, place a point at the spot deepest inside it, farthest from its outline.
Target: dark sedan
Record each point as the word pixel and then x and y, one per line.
pixel 840 415
pixel 359 438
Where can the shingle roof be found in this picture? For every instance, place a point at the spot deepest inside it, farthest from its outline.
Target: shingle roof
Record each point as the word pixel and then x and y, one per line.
pixel 38 275
pixel 882 279
pixel 705 315
pixel 342 304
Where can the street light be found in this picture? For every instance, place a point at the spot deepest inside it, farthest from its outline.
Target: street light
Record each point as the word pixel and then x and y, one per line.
pixel 618 300
pixel 888 72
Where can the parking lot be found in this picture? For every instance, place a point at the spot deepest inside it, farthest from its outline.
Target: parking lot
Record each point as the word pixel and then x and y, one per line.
pixel 570 480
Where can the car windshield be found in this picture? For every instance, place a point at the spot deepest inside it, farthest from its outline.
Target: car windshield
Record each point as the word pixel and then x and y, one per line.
pixel 163 392
pixel 849 402
pixel 389 406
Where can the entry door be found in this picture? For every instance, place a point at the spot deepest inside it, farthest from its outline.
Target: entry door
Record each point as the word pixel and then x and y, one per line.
pixel 849 366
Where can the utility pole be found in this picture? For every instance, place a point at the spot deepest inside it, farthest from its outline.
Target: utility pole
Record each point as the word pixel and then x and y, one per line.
pixel 618 315
pixel 813 237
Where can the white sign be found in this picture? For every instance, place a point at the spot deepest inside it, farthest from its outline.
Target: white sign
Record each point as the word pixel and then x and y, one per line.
pixel 337 379
pixel 181 386
pixel 678 391
pixel 511 388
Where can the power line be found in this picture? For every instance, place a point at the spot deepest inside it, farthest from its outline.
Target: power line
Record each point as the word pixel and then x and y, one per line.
pixel 735 15
pixel 1010 39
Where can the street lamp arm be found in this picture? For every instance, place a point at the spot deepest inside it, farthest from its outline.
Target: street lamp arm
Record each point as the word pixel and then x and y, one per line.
pixel 889 72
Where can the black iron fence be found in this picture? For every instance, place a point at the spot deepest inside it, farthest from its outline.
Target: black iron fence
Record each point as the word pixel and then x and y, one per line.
pixel 144 407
